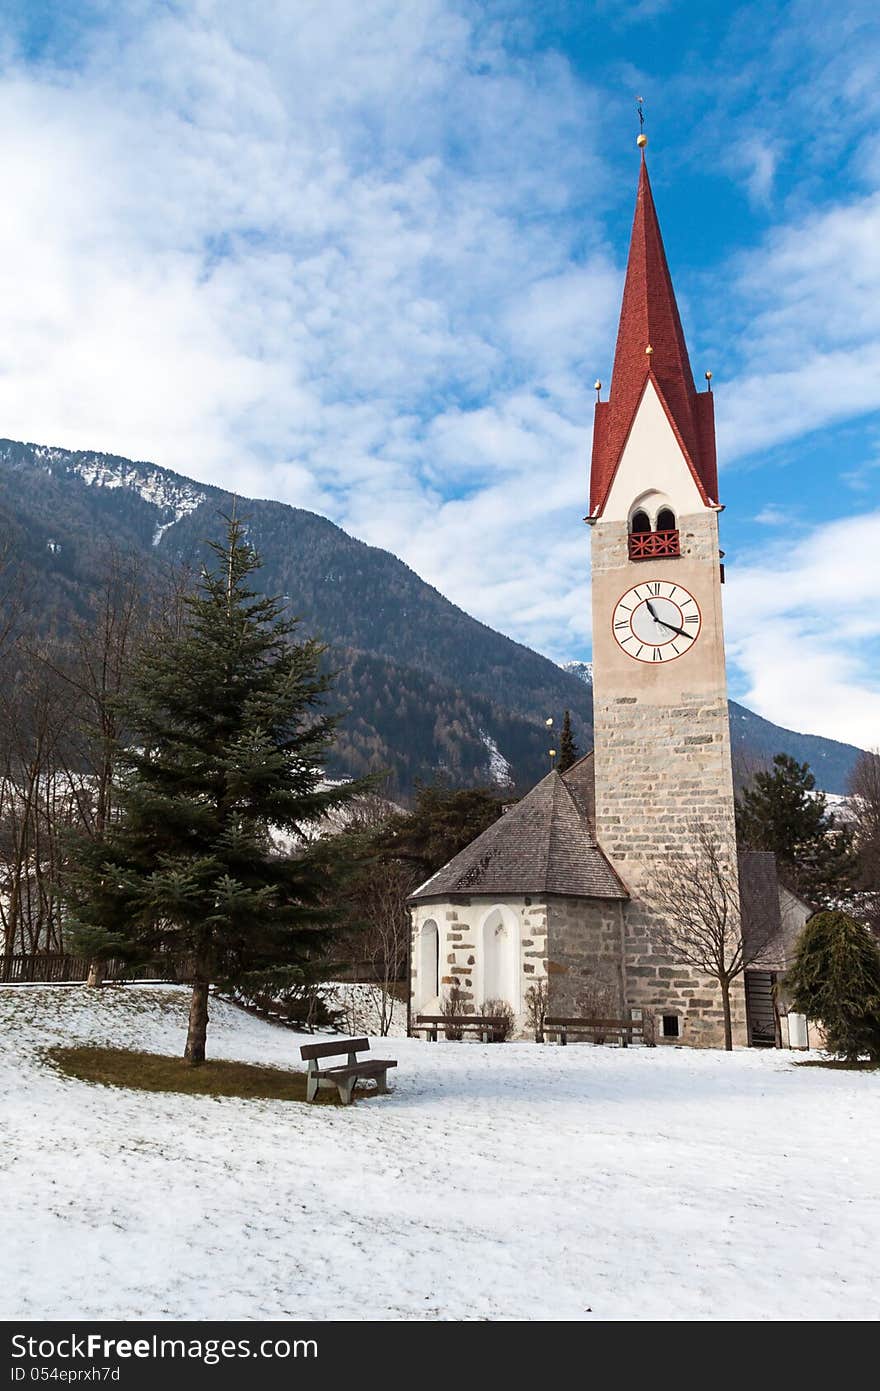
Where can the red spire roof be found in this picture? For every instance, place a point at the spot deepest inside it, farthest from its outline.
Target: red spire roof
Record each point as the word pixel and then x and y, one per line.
pixel 649 317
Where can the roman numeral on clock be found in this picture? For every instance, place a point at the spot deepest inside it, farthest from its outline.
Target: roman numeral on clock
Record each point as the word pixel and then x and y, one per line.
pixel 656 621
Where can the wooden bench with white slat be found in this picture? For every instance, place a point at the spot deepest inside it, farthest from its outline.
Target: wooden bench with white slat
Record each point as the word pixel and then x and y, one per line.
pixel 624 1031
pixel 343 1077
pixel 490 1027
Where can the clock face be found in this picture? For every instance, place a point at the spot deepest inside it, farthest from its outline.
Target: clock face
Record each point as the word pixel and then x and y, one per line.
pixel 656 621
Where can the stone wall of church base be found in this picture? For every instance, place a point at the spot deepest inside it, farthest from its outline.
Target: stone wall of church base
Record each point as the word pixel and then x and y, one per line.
pixel 460 925
pixel 582 951
pixel 585 958
pixel 659 985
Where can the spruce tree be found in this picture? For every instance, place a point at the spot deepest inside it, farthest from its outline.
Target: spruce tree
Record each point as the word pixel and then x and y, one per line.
pixel 864 802
pixel 782 811
pixel 835 979
pixel 568 749
pixel 225 739
pixel 443 821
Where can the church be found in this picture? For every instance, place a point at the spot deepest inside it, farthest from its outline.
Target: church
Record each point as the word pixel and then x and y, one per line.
pixel 556 897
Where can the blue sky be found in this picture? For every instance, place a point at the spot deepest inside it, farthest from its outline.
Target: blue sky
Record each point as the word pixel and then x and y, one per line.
pixel 366 257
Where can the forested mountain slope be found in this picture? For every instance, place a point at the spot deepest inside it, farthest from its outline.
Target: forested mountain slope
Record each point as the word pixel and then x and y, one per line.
pixel 429 689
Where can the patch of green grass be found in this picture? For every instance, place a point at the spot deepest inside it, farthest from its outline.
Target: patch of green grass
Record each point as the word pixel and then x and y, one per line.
pixel 841 1064
pixel 153 1072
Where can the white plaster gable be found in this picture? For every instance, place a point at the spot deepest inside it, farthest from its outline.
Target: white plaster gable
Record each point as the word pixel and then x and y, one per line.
pixel 652 467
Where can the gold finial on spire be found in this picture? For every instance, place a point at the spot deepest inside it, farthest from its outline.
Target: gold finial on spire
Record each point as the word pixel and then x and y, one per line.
pixel 597 387
pixel 708 376
pixel 641 139
pixel 649 351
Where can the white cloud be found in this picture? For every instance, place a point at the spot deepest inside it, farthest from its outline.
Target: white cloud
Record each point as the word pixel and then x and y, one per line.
pixel 809 341
pixel 349 255
pixel 774 516
pixel 758 159
pixel 803 627
pixel 326 257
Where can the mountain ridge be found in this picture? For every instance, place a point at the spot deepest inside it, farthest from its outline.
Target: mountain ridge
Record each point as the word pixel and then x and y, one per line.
pixel 431 690
pixel 754 740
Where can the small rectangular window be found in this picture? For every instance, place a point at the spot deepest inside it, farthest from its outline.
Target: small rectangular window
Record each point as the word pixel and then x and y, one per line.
pixel 671 1026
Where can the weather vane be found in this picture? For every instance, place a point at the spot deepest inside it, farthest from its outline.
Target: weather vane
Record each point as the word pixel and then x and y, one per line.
pixel 642 137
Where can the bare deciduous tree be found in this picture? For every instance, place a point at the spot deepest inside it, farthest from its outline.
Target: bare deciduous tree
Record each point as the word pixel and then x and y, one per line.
pixel 384 943
pixel 537 1002
pixel 452 1007
pixel 95 667
pixel 368 888
pixel 696 899
pixel 502 1011
pixel 35 716
pixel 597 998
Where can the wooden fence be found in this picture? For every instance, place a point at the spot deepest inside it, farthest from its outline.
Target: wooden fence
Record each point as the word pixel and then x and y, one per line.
pixel 56 968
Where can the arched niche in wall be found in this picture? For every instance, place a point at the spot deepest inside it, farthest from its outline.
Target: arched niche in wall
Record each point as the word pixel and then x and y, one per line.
pixel 500 956
pixel 428 980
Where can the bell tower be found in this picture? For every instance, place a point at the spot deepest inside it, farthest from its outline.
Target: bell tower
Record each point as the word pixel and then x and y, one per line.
pixel 662 735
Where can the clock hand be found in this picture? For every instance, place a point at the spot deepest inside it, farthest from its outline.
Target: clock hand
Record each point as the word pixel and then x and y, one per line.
pixel 663 624
pixel 673 629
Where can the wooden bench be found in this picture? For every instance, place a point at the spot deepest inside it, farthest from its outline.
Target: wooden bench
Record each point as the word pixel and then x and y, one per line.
pixel 490 1027
pixel 343 1077
pixel 624 1031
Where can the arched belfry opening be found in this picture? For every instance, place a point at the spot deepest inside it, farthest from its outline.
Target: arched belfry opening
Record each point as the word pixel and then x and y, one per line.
pixel 653 529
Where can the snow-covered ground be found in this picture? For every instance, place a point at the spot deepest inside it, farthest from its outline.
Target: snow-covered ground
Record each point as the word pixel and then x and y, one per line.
pixel 501 1182
pixel 358 1009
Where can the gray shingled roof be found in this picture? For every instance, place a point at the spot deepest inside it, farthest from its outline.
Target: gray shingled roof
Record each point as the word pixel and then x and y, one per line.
pixel 581 783
pixel 545 844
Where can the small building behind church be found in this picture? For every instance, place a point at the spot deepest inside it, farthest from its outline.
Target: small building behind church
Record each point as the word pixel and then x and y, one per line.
pixel 776 914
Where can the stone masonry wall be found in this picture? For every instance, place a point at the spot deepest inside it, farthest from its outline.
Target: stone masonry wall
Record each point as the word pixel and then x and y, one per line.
pixel 585 951
pixel 663 764
pixel 572 944
pixel 459 925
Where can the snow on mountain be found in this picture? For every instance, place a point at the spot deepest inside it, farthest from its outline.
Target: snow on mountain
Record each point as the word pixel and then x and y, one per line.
pixel 499 768
pixel 844 809
pixel 161 530
pixel 364 601
pixel 582 670
pixel 172 496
